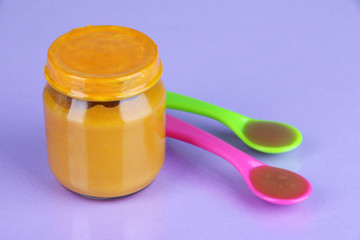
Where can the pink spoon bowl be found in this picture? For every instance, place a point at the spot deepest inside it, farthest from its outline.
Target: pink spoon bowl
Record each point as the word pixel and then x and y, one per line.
pixel 275 185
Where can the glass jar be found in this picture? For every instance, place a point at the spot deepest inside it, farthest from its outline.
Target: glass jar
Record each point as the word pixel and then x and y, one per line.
pixel 104 106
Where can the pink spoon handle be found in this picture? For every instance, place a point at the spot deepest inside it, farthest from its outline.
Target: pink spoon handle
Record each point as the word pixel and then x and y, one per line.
pixel 183 131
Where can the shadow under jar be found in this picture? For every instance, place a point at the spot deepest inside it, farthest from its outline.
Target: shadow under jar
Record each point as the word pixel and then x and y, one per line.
pixel 104 107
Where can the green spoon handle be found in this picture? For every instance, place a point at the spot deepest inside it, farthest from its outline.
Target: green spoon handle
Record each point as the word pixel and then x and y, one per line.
pixel 188 104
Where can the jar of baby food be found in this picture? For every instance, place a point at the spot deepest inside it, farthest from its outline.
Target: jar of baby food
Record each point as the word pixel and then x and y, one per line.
pixel 104 106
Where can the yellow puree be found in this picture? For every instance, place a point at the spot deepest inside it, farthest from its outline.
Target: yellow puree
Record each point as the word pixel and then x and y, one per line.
pixel 102 151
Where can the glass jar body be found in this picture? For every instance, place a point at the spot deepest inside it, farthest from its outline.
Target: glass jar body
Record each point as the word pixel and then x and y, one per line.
pixel 105 149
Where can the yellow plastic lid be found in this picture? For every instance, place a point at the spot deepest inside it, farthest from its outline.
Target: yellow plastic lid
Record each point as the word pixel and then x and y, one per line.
pixel 103 63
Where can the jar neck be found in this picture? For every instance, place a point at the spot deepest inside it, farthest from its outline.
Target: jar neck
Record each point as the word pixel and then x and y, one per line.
pixel 99 89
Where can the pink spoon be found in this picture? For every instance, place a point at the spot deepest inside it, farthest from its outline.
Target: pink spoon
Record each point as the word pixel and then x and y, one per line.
pixel 275 185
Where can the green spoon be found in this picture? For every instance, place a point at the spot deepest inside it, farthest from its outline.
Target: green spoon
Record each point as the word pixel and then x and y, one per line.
pixel 264 136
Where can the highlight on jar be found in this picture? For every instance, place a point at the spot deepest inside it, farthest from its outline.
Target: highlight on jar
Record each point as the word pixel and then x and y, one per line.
pixel 105 116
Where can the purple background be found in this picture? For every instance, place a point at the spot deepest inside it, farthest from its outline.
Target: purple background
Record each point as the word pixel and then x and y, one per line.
pixel 292 61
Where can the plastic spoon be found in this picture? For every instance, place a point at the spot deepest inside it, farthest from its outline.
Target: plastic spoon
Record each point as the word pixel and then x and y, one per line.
pixel 275 185
pixel 264 136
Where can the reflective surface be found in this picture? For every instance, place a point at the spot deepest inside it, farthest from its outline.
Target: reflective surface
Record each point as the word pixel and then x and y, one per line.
pixel 294 61
pixel 108 149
